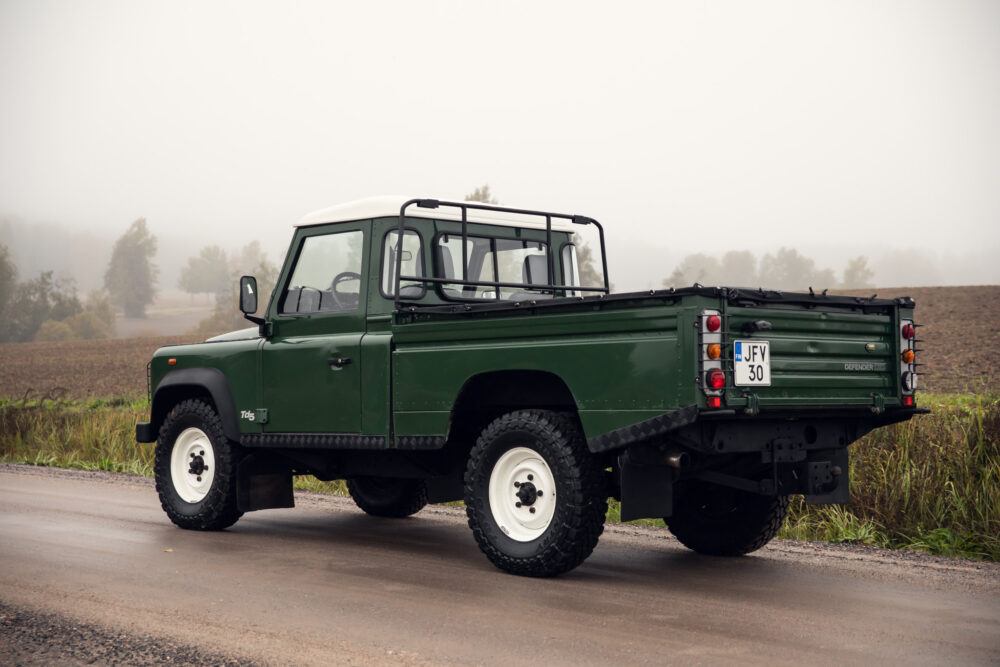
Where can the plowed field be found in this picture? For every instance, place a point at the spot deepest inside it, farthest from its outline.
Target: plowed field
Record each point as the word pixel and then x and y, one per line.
pixel 960 327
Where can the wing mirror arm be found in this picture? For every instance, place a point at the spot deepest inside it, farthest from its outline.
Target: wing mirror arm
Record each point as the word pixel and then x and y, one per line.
pixel 248 305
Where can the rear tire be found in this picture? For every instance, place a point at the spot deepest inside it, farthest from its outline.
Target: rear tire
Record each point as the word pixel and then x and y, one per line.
pixel 721 521
pixel 388 496
pixel 535 496
pixel 195 468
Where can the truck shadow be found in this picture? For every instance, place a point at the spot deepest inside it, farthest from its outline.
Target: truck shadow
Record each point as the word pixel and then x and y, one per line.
pixel 357 542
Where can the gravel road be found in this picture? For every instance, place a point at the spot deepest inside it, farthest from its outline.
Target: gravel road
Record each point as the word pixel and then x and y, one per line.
pixel 91 571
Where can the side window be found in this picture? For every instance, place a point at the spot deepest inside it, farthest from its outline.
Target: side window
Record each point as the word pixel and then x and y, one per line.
pixel 327 275
pixel 413 265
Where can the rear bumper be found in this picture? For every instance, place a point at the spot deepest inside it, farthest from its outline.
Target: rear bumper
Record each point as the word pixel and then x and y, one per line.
pixel 144 432
pixel 684 418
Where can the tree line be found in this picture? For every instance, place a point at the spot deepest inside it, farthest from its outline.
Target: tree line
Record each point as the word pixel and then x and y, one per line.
pixel 49 309
pixel 785 269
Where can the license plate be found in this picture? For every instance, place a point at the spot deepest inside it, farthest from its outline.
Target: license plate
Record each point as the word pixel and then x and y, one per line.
pixel 752 363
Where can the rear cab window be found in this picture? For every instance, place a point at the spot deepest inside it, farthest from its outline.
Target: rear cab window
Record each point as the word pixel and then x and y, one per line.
pixel 521 262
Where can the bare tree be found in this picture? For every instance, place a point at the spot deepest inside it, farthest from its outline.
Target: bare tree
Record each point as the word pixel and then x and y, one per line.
pixel 482 195
pixel 857 273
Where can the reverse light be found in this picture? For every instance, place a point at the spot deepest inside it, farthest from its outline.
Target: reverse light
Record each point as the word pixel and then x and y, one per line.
pixel 713 322
pixel 714 351
pixel 715 379
pixel 909 381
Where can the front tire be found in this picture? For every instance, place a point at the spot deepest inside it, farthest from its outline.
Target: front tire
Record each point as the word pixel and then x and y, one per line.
pixel 721 521
pixel 534 494
pixel 195 468
pixel 388 497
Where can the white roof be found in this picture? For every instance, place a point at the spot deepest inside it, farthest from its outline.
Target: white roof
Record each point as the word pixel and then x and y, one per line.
pixel 388 207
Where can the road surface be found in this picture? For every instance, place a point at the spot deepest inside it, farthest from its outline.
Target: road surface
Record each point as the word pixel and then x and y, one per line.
pixel 92 556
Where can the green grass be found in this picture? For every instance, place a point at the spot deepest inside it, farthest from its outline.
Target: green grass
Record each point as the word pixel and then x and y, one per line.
pixel 930 484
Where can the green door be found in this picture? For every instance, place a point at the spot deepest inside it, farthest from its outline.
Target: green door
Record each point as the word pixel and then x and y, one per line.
pixel 311 365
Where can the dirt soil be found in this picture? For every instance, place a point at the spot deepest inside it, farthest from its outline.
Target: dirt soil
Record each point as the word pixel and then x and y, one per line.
pixel 959 327
pixel 79 369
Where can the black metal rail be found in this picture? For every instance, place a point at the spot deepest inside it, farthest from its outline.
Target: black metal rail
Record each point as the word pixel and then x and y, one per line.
pixel 465 206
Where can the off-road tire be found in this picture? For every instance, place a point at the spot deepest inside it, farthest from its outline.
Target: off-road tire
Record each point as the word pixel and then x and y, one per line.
pixel 218 509
pixel 722 521
pixel 580 493
pixel 387 496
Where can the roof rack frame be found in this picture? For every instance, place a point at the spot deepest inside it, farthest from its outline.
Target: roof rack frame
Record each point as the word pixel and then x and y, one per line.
pixel 465 206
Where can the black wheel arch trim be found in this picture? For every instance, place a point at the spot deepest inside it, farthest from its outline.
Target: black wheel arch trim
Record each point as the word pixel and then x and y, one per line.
pixel 210 380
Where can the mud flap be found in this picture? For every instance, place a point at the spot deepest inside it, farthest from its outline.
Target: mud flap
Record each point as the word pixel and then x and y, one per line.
pixel 445 489
pixel 647 491
pixel 263 483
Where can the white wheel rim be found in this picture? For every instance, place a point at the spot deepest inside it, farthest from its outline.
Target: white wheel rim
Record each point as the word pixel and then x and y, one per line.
pixel 522 494
pixel 192 465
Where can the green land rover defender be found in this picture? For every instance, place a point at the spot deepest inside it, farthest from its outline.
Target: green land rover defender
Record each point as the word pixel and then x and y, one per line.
pixel 432 351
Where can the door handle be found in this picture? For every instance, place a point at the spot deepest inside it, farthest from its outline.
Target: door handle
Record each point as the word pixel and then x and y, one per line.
pixel 338 362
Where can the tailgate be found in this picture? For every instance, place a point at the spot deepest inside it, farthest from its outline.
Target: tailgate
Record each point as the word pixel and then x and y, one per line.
pixel 818 356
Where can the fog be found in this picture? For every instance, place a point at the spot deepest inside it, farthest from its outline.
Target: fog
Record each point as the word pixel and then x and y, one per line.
pixel 839 128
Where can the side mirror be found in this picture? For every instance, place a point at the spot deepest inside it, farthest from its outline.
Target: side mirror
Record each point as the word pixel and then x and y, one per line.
pixel 248 304
pixel 248 295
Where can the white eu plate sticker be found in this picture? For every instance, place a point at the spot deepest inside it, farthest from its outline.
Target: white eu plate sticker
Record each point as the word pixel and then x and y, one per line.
pixel 752 363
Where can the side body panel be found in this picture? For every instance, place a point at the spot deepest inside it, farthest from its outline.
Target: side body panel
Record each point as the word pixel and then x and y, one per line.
pixel 237 361
pixel 621 364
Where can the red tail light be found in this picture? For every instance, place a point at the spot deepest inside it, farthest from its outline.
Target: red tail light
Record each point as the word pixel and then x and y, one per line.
pixel 715 379
pixel 908 331
pixel 713 322
pixel 714 402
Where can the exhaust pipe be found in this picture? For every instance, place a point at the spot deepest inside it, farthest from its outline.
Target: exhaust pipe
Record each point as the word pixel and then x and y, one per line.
pixel 677 458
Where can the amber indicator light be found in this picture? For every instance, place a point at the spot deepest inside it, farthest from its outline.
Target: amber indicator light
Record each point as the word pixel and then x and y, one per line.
pixel 714 351
pixel 171 362
pixel 908 356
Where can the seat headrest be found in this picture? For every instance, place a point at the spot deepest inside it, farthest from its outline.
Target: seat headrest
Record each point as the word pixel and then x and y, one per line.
pixel 536 270
pixel 445 263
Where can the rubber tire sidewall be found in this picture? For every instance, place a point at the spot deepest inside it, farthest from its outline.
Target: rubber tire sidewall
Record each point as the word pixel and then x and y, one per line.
pixel 218 509
pixel 563 545
pixel 754 522
pixel 393 498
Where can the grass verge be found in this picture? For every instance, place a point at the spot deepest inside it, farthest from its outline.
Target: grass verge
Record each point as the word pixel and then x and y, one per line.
pixel 930 484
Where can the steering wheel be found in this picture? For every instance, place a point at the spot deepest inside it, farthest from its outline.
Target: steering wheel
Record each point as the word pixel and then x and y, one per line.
pixel 343 277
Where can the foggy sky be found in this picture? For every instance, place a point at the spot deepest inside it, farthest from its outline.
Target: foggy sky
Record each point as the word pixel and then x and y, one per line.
pixel 840 128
